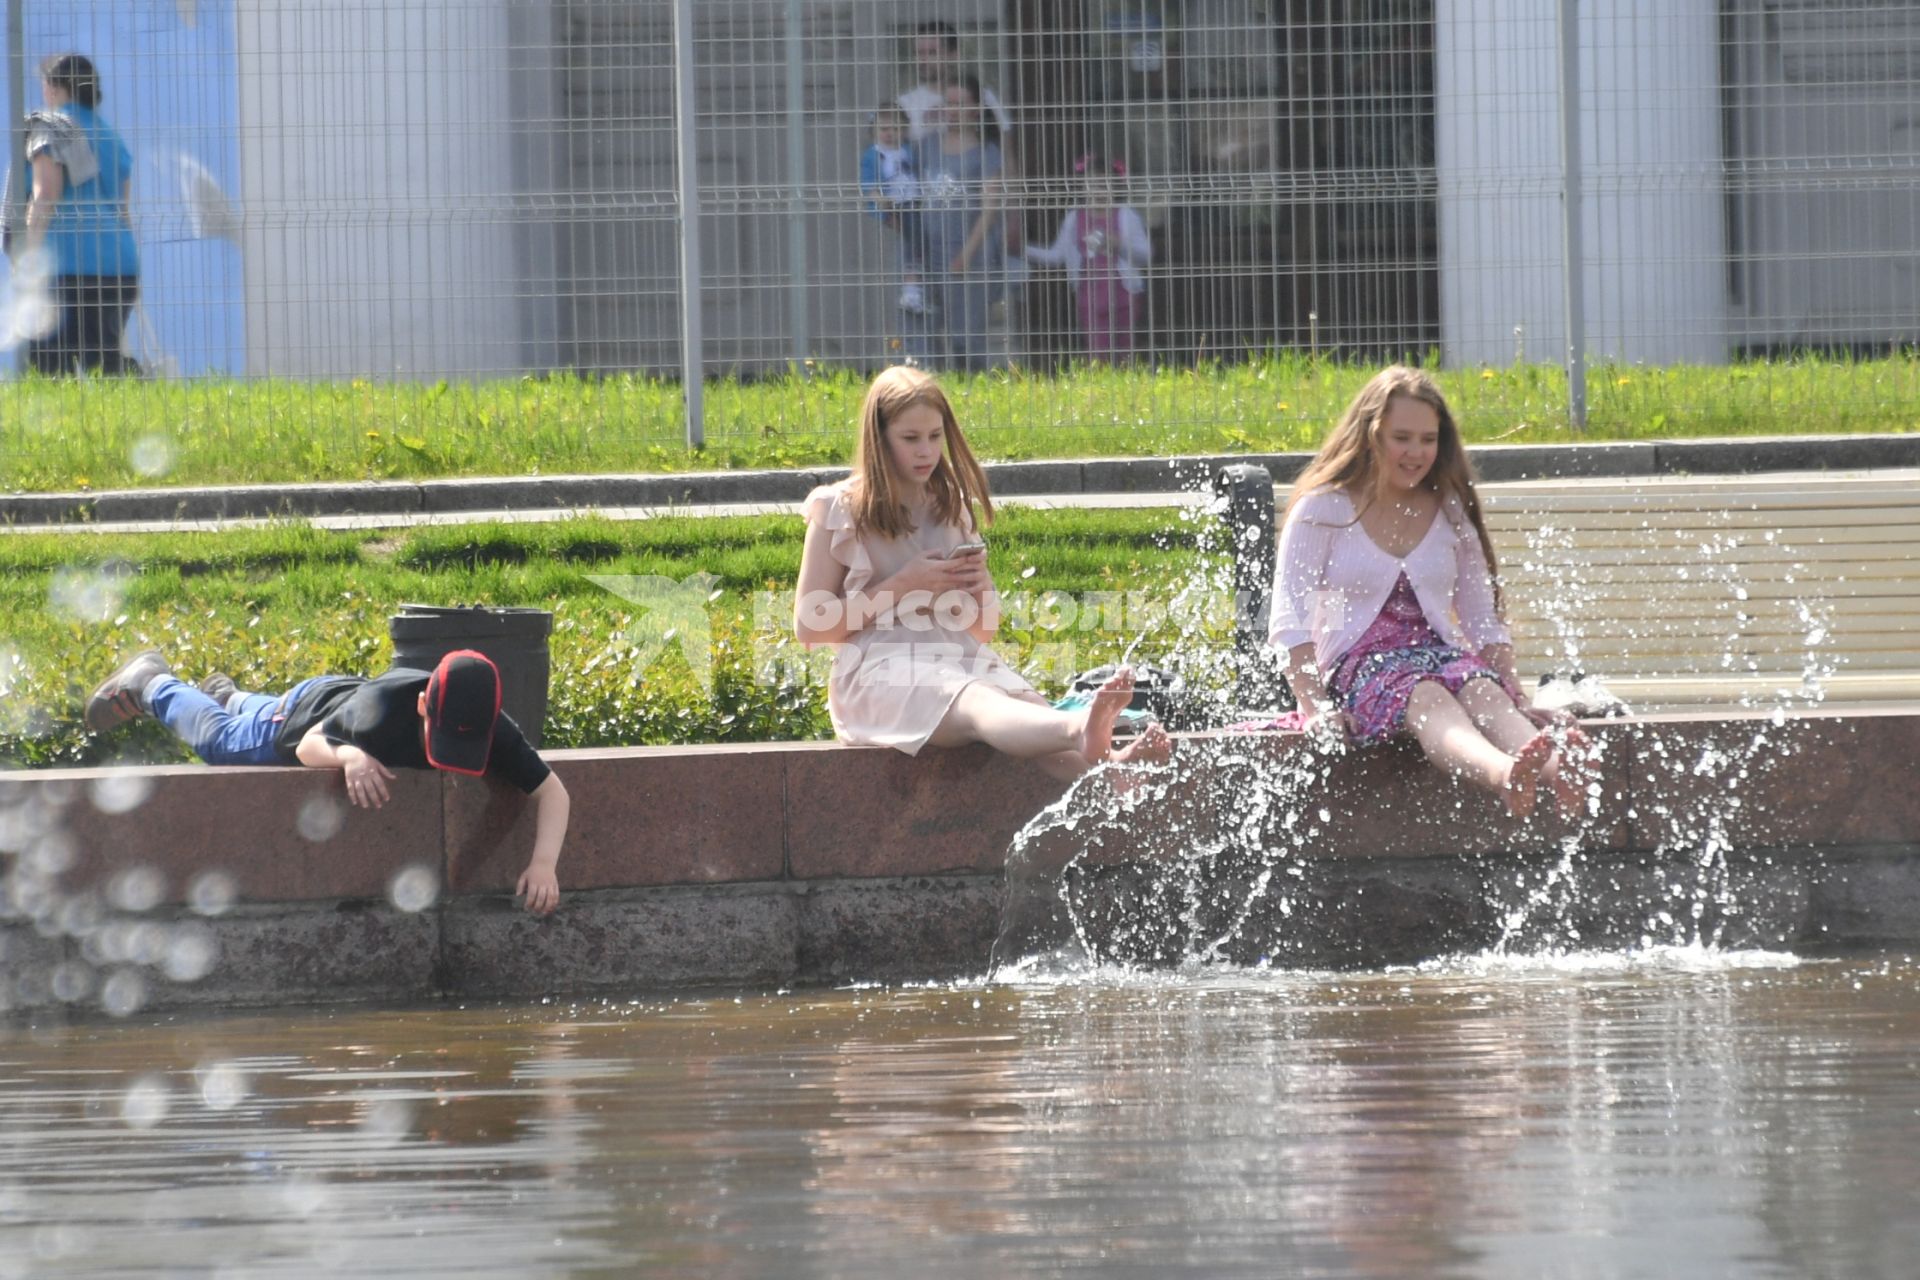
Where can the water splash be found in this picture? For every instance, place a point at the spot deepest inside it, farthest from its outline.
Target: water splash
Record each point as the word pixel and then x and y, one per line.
pixel 1214 861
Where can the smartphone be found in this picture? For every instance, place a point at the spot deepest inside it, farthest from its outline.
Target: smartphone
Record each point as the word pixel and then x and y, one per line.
pixel 967 549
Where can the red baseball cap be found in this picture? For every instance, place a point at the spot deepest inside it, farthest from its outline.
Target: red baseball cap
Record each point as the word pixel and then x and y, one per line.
pixel 463 703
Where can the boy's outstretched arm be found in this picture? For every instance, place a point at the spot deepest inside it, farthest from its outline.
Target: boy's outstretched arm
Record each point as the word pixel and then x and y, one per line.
pixel 366 777
pixel 539 885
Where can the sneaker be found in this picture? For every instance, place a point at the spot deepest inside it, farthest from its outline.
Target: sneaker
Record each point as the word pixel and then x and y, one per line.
pixel 122 697
pixel 913 299
pixel 220 688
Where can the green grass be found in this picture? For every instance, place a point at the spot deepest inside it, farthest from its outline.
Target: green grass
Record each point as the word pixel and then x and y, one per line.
pixel 113 434
pixel 272 605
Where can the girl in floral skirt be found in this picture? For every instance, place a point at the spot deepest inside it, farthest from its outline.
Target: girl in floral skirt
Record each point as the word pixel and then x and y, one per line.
pixel 1387 603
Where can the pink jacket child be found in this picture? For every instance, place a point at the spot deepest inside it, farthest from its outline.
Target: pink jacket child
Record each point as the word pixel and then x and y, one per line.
pixel 1104 246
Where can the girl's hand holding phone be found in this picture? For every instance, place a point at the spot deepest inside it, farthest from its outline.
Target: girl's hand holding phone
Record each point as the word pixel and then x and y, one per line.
pixel 936 572
pixel 971 559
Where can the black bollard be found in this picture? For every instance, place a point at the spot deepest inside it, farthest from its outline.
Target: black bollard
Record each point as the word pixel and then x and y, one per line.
pixel 1248 491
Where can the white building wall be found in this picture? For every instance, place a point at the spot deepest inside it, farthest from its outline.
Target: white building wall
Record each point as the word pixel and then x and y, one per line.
pixel 379 183
pixel 1653 216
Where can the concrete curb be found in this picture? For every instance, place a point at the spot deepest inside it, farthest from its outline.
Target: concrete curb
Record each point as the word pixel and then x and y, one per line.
pixel 1010 479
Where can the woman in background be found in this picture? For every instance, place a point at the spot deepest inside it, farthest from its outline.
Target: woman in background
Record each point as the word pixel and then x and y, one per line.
pixel 77 215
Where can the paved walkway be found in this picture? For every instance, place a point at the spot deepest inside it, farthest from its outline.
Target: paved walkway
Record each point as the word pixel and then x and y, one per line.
pixel 1786 463
pixel 1091 482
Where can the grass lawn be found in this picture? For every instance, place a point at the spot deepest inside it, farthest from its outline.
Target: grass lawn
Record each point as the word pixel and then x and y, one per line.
pixel 272 605
pixel 115 434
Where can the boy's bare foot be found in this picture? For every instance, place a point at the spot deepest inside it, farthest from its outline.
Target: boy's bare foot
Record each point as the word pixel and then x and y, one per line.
pixel 1523 780
pixel 1109 700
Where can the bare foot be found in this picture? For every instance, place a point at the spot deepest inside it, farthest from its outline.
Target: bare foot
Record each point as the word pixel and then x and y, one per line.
pixel 1570 773
pixel 1096 740
pixel 1153 746
pixel 1569 788
pixel 1523 779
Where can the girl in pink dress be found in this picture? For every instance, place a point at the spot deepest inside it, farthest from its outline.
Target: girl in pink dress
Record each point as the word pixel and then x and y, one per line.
pixel 894 576
pixel 1105 248
pixel 1387 604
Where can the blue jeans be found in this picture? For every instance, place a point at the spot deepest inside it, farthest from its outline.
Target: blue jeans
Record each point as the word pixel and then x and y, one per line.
pixel 244 735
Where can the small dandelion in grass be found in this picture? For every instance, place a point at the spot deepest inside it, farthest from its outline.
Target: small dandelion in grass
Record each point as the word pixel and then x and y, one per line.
pixel 414 889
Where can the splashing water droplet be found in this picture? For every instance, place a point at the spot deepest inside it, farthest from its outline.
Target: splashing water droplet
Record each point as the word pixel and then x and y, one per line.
pixel 145 1103
pixel 414 889
pixel 136 889
pixel 321 818
pixel 51 854
pixel 152 455
pixel 190 954
pixel 123 993
pixel 71 981
pixel 85 594
pixel 212 893
pixel 120 792
pixel 386 1122
pixel 223 1086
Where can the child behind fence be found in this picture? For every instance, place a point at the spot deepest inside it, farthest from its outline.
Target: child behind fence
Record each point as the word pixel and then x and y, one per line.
pixel 892 188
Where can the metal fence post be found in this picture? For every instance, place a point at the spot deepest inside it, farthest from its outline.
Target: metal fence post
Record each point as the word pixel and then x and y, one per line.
pixel 13 201
pixel 692 382
pixel 1573 264
pixel 796 180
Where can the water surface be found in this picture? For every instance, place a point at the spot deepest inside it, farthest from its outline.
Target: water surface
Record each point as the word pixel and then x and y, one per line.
pixel 1677 1114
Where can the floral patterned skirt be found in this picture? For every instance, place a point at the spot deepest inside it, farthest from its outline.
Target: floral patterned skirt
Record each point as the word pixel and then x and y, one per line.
pixel 1374 680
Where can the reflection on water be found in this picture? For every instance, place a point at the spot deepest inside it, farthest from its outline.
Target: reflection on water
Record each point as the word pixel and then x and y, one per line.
pixel 1683 1113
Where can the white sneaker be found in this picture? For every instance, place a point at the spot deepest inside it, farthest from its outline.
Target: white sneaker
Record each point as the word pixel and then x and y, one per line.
pixel 913 299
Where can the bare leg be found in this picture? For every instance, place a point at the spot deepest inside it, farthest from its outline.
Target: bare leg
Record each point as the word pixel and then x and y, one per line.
pixel 1015 725
pixel 1450 739
pixel 1493 710
pixel 1495 715
pixel 1108 702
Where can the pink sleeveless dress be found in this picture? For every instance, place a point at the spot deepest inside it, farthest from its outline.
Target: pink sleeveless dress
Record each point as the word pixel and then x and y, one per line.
pixel 894 681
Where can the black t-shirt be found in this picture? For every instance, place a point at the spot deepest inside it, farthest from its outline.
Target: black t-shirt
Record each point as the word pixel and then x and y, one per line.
pixel 381 716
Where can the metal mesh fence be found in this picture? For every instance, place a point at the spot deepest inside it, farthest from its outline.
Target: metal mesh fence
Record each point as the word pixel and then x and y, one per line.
pixel 1076 198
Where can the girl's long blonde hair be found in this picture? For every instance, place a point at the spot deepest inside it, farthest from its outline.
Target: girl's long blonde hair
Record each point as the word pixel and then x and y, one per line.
pixel 1350 458
pixel 957 485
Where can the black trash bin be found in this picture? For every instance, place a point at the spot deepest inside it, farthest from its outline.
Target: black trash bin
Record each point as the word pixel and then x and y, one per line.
pixel 516 640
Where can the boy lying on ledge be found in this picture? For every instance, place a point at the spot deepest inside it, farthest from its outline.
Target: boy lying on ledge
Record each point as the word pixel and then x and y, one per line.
pixel 448 718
